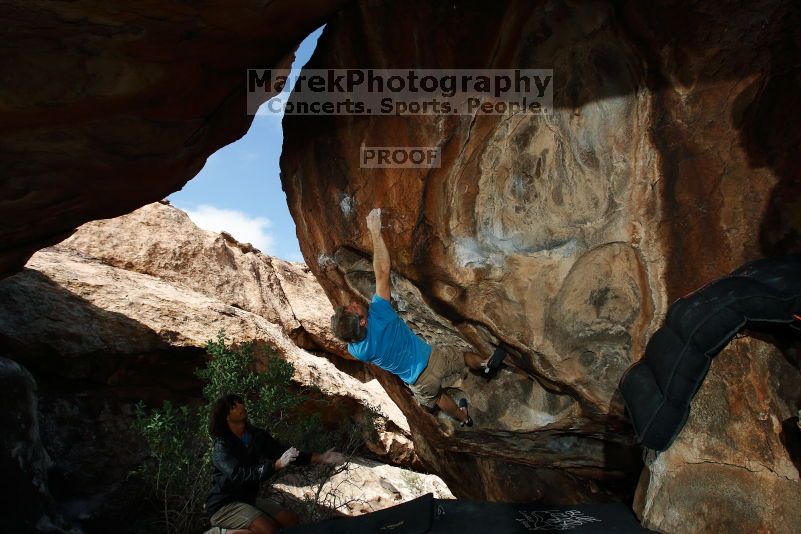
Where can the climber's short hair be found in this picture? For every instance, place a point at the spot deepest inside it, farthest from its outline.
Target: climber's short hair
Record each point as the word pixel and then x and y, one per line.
pixel 346 326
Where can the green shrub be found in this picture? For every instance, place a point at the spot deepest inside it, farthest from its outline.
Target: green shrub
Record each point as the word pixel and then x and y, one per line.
pixel 268 395
pixel 178 468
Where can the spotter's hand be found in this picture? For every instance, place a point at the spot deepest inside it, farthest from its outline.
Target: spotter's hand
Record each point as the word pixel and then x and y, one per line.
pixel 289 456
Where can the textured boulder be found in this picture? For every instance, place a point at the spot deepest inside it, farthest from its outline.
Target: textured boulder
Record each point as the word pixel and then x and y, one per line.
pixel 82 319
pixel 161 241
pixel 735 467
pixel 106 108
pixel 85 308
pixel 662 167
pixel 99 338
pixel 362 486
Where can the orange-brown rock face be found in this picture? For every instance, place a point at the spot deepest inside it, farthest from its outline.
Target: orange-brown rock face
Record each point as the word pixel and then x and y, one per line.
pixel 565 235
pixel 105 108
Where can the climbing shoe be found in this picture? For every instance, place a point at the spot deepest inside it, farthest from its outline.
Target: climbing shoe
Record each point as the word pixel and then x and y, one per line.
pixel 469 421
pixel 494 363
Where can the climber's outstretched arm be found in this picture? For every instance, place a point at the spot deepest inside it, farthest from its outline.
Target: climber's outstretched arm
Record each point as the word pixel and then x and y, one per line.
pixel 381 264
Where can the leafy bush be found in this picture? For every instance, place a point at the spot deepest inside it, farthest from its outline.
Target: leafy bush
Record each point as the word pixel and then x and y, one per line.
pixel 268 395
pixel 178 467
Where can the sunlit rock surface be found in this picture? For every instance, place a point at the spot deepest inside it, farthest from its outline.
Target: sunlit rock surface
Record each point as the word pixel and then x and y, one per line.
pixel 87 308
pixel 162 242
pixel 359 487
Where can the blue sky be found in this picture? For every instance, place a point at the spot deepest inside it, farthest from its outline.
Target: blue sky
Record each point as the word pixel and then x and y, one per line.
pixel 239 189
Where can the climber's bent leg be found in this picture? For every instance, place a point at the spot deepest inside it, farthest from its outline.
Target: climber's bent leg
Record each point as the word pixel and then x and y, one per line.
pixel 446 404
pixel 474 361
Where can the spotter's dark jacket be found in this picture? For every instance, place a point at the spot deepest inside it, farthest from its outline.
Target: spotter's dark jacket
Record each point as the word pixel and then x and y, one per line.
pixel 238 471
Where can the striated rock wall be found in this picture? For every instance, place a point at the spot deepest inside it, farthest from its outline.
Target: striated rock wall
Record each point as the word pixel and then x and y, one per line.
pixel 540 232
pixel 663 166
pixel 162 242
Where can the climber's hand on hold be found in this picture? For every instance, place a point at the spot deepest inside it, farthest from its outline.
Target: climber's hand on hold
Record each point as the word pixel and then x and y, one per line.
pixel 374 221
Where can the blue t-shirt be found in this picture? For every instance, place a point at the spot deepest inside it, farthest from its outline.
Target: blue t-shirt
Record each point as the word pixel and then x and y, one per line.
pixel 390 344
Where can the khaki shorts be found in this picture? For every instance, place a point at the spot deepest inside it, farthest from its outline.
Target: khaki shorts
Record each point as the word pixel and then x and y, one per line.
pixel 444 361
pixel 240 515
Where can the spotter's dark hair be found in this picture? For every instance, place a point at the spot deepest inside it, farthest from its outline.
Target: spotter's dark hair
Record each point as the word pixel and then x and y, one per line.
pixel 218 424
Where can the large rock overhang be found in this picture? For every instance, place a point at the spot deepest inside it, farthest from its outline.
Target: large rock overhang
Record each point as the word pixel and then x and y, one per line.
pixel 105 109
pixel 662 167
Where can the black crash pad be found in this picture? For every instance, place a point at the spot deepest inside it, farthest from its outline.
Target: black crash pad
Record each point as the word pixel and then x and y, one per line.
pixel 659 388
pixel 440 516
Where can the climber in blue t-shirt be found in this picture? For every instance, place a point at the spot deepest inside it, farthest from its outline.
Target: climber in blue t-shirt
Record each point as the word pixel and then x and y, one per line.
pixel 390 344
pixel 377 335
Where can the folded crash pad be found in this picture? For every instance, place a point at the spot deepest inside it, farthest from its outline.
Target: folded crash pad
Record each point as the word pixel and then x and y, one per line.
pixel 658 389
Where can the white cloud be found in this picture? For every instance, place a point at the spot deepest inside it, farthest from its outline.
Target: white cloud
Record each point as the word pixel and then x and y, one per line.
pixel 244 228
